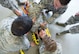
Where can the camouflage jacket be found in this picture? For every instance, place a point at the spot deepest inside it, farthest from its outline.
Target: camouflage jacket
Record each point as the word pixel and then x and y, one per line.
pixel 58 50
pixel 9 42
pixel 35 10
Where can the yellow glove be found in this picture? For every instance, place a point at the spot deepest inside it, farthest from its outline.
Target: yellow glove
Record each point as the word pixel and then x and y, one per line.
pixel 35 38
pixel 47 32
pixel 21 51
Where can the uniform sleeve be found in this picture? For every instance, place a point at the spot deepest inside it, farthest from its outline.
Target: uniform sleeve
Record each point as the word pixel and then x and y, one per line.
pixel 37 23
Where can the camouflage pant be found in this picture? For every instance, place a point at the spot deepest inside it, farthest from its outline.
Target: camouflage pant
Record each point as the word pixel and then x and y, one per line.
pixel 8 3
pixel 5 3
pixel 73 30
pixel 73 20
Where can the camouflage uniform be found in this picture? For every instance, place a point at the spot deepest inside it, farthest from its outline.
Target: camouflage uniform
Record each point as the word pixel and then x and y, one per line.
pixel 35 10
pixel 48 44
pixel 71 20
pixel 9 42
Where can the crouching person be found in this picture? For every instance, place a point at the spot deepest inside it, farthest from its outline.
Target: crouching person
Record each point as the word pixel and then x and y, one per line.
pixel 13 33
pixel 48 45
